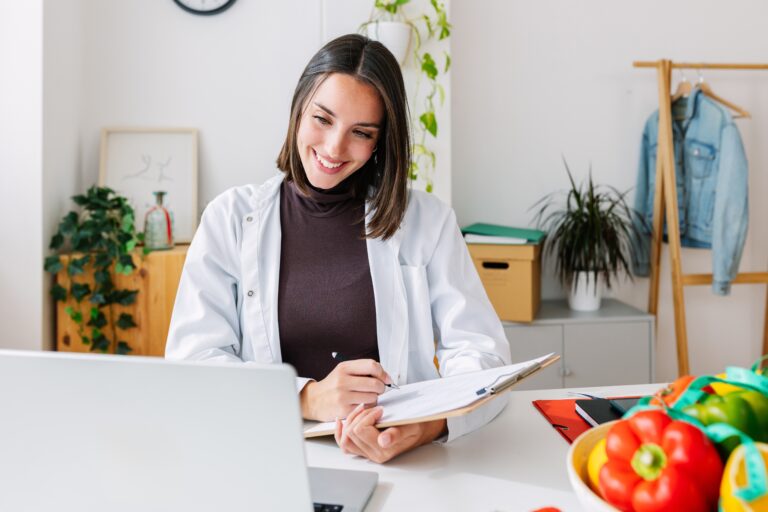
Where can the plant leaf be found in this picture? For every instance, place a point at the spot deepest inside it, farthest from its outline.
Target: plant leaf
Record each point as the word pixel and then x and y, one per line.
pixel 429 122
pixel 428 66
pixel 80 290
pixel 98 320
pixel 123 348
pixel 99 341
pixel 74 314
pixel 441 91
pixel 98 298
pixel 125 321
pixel 68 224
pixel 56 241
pixel 76 265
pixel 127 222
pixel 124 297
pixel 58 292
pixel 53 264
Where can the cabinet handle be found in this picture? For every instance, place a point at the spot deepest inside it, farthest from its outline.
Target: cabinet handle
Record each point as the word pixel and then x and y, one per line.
pixel 565 371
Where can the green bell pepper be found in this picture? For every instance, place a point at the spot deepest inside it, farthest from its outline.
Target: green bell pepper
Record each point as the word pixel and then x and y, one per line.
pixel 744 410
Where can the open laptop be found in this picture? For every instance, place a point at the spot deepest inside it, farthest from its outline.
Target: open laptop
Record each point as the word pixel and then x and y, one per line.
pixel 82 432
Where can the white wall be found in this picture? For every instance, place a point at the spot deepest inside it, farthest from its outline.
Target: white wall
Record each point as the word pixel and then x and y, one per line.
pixel 21 142
pixel 536 80
pixel 232 75
pixel 62 106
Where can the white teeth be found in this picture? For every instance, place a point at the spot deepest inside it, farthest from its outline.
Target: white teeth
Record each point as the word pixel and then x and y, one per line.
pixel 326 163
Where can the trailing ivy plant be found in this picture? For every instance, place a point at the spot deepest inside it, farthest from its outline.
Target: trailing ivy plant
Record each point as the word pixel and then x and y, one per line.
pixel 103 235
pixel 426 27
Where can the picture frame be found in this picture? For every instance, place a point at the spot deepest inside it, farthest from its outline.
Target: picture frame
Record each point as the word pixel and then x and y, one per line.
pixel 135 162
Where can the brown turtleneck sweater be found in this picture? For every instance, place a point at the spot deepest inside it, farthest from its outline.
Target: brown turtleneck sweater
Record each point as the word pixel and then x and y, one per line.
pixel 325 297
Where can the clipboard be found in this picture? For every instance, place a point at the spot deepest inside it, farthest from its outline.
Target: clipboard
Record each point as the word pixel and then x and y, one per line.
pixel 490 392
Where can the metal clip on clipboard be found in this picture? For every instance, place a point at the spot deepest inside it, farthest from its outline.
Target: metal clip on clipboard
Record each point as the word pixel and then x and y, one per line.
pixel 495 388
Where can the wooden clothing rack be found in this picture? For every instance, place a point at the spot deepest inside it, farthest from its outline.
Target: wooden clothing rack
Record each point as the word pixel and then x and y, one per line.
pixel 665 198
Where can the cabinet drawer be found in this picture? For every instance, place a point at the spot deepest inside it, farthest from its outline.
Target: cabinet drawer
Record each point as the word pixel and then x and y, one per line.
pixel 528 342
pixel 607 355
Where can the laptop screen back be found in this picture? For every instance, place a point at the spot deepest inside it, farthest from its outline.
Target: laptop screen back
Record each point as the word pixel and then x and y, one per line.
pixel 92 432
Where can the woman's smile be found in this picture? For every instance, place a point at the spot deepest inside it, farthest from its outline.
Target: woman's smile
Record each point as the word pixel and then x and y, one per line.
pixel 328 165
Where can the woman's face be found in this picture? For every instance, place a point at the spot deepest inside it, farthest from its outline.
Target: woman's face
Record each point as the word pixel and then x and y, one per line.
pixel 338 130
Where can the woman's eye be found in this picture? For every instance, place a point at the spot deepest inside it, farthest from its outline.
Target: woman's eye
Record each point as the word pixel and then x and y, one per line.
pixel 363 135
pixel 321 120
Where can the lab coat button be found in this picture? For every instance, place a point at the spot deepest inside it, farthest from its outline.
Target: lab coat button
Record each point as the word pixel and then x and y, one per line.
pixel 249 219
pixel 250 293
pixel 696 152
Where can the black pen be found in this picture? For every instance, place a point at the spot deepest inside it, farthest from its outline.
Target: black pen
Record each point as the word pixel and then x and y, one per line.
pixel 338 357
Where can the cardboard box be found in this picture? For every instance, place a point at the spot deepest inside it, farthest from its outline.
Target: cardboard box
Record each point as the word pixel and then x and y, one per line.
pixel 511 275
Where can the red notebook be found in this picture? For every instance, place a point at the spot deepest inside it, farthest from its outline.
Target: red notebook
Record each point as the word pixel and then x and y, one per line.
pixel 561 414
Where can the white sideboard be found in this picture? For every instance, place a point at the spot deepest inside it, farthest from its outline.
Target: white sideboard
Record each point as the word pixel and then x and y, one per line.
pixel 608 347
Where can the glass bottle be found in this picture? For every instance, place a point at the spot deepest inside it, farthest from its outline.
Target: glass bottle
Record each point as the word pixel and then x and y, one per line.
pixel 158 225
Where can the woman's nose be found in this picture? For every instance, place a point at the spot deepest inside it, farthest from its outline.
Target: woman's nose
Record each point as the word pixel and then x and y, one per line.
pixel 334 145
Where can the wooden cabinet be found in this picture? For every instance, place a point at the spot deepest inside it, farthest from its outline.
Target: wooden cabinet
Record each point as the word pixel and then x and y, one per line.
pixel 611 346
pixel 156 277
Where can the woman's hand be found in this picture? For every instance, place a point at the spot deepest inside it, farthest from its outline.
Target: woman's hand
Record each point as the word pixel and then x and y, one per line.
pixel 351 383
pixel 360 437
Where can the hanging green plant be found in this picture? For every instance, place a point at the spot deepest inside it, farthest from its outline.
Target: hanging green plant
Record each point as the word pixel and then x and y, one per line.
pixel 102 236
pixel 433 26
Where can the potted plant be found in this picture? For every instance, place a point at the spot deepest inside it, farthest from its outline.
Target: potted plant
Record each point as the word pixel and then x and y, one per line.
pixel 93 246
pixel 389 25
pixel 592 235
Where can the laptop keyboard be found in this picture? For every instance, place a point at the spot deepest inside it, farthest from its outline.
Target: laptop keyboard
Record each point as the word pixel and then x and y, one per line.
pixel 322 507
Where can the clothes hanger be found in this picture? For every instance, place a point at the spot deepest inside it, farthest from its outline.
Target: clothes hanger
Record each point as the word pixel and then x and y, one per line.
pixel 684 89
pixel 707 90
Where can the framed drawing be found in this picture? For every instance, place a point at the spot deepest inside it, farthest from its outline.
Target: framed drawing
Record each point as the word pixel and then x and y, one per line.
pixel 135 162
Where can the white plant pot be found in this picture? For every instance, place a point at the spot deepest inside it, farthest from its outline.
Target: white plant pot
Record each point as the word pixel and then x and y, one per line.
pixel 395 35
pixel 586 292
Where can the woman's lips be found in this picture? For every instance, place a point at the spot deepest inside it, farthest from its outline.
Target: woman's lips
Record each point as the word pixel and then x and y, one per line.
pixel 324 168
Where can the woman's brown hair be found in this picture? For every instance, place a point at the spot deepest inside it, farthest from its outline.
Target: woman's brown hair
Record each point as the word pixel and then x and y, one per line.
pixel 384 178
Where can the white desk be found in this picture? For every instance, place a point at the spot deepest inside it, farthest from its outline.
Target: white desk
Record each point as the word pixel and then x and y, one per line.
pixel 517 462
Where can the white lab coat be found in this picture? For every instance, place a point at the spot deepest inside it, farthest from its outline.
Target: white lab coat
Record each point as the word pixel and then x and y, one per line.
pixel 424 282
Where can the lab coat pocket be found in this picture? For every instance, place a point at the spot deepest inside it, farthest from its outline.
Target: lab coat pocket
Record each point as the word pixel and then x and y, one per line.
pixel 420 334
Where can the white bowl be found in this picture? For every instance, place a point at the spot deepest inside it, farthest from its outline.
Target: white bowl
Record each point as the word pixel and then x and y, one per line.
pixel 578 455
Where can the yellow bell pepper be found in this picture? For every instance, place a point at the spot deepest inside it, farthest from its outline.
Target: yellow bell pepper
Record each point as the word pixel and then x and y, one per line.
pixel 734 478
pixel 721 388
pixel 597 459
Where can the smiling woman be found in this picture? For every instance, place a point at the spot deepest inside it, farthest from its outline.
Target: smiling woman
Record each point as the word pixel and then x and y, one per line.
pixel 351 97
pixel 332 144
pixel 334 267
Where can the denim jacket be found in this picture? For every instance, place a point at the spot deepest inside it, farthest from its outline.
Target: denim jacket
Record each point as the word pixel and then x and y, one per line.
pixel 711 175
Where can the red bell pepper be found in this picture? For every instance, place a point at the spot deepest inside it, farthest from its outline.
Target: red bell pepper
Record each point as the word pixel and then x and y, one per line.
pixel 657 464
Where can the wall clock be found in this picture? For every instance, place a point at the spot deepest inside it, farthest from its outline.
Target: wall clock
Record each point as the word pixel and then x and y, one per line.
pixel 205 7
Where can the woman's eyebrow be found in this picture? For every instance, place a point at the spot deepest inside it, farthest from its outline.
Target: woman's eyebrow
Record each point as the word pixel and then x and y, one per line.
pixel 330 113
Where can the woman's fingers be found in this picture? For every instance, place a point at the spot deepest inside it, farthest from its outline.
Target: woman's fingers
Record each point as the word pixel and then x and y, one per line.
pixel 337 431
pixel 353 397
pixel 343 439
pixel 363 433
pixel 366 367
pixel 400 438
pixel 363 384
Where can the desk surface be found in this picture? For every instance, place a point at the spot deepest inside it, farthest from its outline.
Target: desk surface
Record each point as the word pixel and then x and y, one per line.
pixel 516 462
